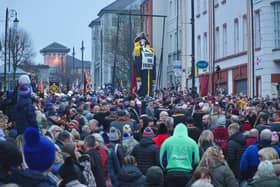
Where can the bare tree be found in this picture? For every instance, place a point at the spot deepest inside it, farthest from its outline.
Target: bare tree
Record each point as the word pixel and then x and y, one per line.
pixel 19 49
pixel 128 29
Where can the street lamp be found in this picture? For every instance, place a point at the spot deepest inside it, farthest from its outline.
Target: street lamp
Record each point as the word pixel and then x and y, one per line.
pixel 9 14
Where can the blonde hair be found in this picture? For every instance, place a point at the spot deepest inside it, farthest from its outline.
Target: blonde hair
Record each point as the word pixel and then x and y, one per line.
pixel 211 157
pixel 206 137
pixel 268 153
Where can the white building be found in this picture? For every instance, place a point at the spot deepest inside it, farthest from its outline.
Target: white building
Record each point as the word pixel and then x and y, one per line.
pixel 232 45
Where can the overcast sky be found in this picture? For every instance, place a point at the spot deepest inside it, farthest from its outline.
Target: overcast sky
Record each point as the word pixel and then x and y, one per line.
pixel 62 21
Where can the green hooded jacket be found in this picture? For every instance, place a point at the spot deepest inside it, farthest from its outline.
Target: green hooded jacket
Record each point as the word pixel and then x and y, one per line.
pixel 179 152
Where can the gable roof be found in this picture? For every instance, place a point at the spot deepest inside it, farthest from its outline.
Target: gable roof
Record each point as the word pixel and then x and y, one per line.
pixel 55 48
pixel 116 6
pixel 95 22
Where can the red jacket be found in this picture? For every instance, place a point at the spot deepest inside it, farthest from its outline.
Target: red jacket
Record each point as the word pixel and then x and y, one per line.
pixel 159 139
pixel 104 158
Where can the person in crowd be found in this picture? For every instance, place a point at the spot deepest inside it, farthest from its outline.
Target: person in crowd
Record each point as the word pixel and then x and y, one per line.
pixel 263 119
pixel 70 173
pixel 130 175
pixel 202 183
pixel 193 131
pixel 53 132
pixel 250 159
pixel 206 121
pixel 146 152
pixel 10 157
pixel 128 140
pixel 63 138
pixel 95 160
pixel 269 153
pixel 162 135
pixel 214 160
pixel 265 176
pixel 123 118
pixel 24 111
pixel 163 116
pixel 103 151
pixel 154 177
pixel 201 173
pixel 170 125
pixel 252 137
pixel 179 167
pixel 205 140
pixel 236 145
pixel 39 156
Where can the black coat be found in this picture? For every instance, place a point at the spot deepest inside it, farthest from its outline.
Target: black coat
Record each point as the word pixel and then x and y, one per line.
pixel 146 154
pixel 131 176
pixel 25 115
pixel 27 178
pixel 96 167
pixel 235 148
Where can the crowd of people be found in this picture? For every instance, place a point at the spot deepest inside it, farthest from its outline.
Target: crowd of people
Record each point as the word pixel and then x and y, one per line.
pixel 117 139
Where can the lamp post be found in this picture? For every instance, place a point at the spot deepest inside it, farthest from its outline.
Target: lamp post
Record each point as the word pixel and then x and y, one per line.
pixel 9 14
pixel 83 81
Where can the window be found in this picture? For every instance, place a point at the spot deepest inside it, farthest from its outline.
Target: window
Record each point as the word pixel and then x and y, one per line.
pixel 217 43
pixel 198 50
pixel 180 39
pixel 197 7
pixel 241 87
pixel 170 7
pixel 205 46
pixel 276 8
pixel 175 42
pixel 225 40
pixel 204 6
pixel 170 43
pixel 245 33
pixel 236 36
pixel 257 30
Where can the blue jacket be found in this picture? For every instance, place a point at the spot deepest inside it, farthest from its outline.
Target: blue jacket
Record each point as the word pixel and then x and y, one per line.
pixel 250 160
pixel 25 115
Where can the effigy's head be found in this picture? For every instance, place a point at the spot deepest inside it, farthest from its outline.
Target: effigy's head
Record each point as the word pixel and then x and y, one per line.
pixel 142 38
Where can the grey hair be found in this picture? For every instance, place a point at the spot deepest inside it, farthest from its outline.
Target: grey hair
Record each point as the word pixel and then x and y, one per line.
pixel 265 169
pixel 202 183
pixel 266 134
pixel 93 121
pixel 170 121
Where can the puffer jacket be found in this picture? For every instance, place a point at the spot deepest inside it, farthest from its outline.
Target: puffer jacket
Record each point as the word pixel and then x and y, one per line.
pixel 131 176
pixel 223 176
pixel 146 154
pixel 235 148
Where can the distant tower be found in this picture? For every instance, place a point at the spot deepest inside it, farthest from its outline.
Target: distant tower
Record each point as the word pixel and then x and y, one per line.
pixel 55 57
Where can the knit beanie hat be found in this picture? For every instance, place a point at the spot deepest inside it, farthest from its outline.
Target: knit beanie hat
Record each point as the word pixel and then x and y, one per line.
pixel 148 132
pixel 74 124
pixel 9 155
pixel 39 151
pixel 24 90
pixel 154 175
pixel 114 134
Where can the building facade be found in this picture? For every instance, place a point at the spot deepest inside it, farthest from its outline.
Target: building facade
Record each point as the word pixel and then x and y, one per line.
pixel 228 32
pixel 106 49
pixel 63 68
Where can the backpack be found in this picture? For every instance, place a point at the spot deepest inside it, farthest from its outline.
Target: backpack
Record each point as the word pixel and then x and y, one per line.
pixel 113 165
pixel 87 172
